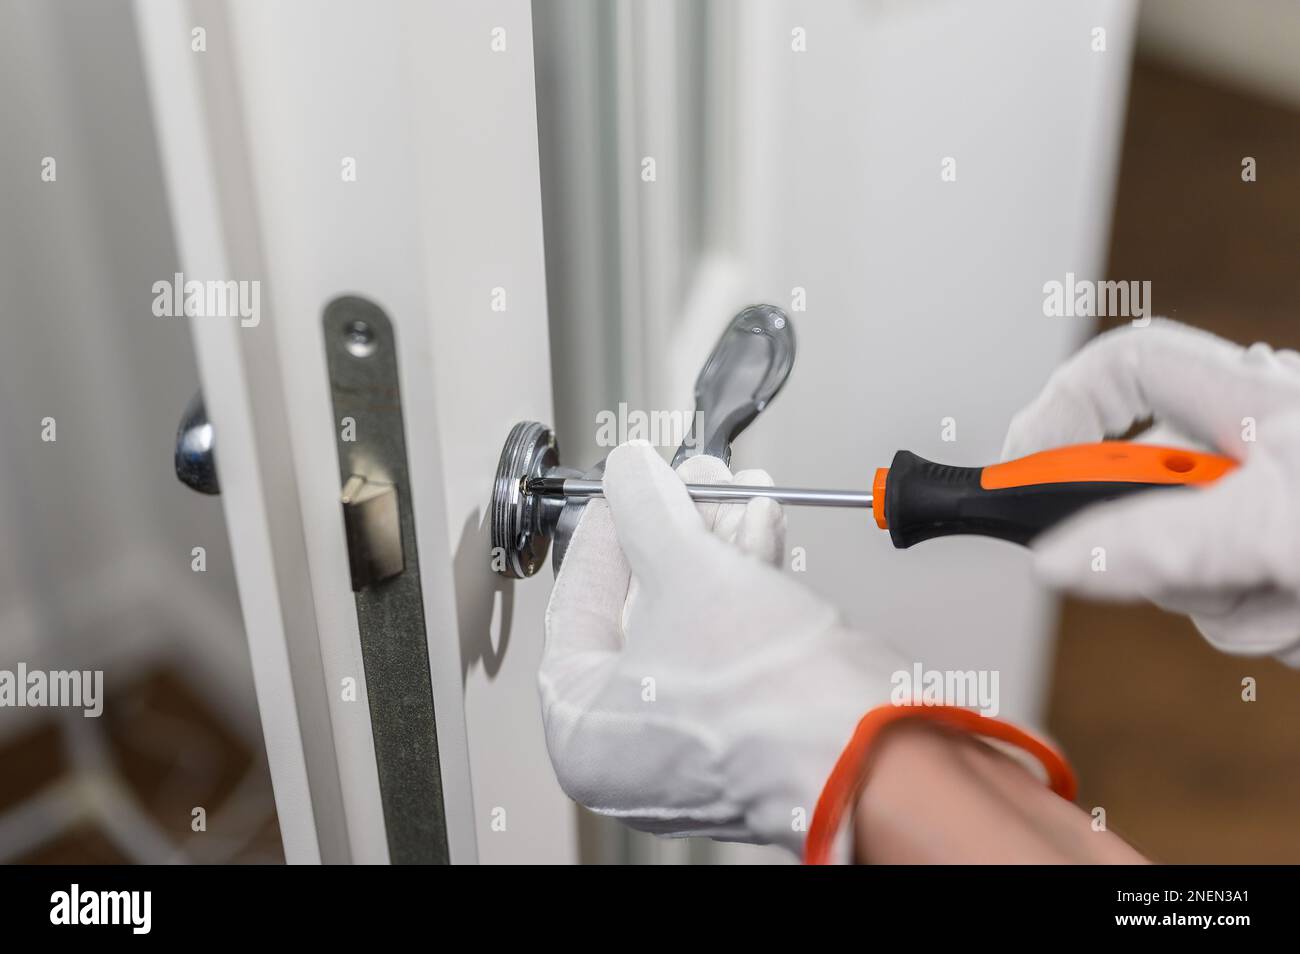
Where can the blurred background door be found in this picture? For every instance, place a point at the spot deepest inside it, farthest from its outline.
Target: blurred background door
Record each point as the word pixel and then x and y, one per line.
pixel 108 562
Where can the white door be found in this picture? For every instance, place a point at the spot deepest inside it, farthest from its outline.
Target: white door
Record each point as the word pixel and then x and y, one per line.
pixel 386 150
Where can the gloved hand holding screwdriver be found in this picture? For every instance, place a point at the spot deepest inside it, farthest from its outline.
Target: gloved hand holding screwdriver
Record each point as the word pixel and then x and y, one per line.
pixel 1228 554
pixel 689 687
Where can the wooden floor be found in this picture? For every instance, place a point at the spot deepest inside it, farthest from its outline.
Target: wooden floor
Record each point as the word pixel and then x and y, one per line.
pixel 172 753
pixel 1153 718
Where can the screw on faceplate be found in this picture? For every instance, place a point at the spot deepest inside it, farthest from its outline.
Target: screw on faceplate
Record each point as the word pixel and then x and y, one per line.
pixel 359 339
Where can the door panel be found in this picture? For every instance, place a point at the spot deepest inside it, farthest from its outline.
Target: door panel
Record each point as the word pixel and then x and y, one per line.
pixel 444 208
pixel 491 368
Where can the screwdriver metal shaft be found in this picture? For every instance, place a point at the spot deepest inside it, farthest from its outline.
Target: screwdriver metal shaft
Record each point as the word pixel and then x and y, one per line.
pixel 709 493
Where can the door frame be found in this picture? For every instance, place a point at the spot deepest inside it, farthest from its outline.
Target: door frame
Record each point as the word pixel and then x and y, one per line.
pixel 255 131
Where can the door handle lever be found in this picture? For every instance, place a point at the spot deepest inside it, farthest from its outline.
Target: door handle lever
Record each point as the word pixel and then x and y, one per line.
pixel 745 370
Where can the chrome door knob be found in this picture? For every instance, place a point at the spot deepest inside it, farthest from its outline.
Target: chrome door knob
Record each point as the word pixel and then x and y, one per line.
pixel 196 462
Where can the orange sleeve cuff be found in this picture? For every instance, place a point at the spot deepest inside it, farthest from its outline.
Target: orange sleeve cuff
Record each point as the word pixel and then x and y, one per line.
pixel 850 773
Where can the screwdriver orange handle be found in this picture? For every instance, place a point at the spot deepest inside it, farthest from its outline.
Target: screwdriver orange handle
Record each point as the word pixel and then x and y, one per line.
pixel 916 499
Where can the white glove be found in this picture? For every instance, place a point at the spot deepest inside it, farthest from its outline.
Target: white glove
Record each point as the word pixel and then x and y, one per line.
pixel 716 697
pixel 1227 554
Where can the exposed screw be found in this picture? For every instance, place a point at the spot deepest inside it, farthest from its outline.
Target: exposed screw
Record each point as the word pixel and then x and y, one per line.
pixel 359 339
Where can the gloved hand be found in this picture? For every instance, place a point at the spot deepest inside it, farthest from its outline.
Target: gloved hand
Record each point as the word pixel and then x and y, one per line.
pixel 688 687
pixel 1227 554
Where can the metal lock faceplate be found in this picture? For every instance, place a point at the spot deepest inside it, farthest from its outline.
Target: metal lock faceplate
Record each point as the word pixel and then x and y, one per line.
pixel 361 352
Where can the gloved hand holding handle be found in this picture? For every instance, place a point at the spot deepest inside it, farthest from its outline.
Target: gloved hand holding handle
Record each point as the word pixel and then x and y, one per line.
pixel 1226 554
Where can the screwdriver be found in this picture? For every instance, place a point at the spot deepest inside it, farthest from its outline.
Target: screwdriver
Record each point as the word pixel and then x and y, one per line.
pixel 916 499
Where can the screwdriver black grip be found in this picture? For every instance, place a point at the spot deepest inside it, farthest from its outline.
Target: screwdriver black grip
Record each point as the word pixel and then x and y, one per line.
pixel 924 500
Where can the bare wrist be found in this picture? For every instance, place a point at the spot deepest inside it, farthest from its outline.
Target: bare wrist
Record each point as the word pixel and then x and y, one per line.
pixel 938 796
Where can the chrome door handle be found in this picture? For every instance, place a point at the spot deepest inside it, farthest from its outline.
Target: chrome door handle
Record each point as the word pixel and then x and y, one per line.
pixel 745 370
